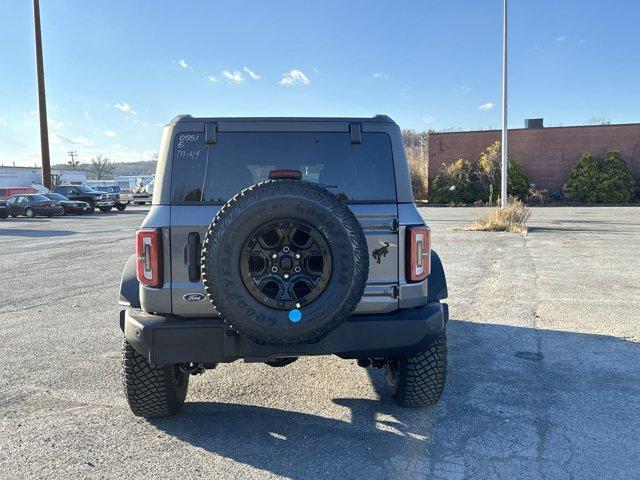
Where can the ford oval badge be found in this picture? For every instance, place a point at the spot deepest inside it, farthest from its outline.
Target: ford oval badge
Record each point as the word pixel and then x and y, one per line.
pixel 193 297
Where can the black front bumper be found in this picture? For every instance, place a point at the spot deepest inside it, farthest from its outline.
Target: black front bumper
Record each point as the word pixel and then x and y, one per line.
pixel 168 339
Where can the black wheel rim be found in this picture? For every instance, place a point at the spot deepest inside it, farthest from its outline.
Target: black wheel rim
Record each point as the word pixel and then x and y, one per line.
pixel 286 264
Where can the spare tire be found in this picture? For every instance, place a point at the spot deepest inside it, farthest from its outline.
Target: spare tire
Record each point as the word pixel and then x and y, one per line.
pixel 284 262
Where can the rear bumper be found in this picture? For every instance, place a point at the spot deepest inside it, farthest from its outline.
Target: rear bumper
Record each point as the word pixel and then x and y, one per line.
pixel 168 339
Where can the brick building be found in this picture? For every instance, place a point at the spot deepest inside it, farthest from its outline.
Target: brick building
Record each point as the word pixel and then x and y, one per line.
pixel 546 154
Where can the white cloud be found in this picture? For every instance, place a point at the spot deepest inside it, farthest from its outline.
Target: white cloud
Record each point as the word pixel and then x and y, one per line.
pixel 235 77
pixel 294 76
pixel 33 112
pixel 81 141
pixel 379 75
pixel 251 73
pixel 561 38
pixel 56 123
pixel 212 78
pixel 3 120
pixel 183 63
pixel 125 107
pixel 110 133
pixel 429 119
pixel 149 155
pixel 87 115
pixel 57 139
pixel 486 106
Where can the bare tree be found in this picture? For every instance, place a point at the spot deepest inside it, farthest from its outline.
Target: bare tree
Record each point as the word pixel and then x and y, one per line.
pixel 102 167
pixel 599 121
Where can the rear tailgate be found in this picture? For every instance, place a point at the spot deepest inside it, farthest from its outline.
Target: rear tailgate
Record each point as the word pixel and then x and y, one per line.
pixel 205 172
pixel 189 226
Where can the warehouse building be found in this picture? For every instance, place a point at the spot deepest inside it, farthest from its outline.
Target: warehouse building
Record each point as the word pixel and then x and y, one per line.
pixel 27 176
pixel 547 155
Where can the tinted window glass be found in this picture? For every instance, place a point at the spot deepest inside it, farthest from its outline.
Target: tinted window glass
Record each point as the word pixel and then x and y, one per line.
pixel 353 172
pixel 38 198
pixel 57 196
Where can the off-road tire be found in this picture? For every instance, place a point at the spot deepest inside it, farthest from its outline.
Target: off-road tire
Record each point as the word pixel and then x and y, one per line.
pixel 152 391
pixel 419 381
pixel 269 201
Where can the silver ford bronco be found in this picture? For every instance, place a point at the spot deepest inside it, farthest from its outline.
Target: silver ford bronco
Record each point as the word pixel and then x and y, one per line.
pixel 273 238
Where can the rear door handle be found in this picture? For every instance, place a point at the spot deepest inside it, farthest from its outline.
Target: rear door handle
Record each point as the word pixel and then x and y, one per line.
pixel 193 256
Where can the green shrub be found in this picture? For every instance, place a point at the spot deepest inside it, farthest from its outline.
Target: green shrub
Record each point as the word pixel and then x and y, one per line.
pixel 600 180
pixel 457 183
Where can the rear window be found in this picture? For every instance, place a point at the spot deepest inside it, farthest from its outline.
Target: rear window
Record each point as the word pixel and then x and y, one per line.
pixel 214 173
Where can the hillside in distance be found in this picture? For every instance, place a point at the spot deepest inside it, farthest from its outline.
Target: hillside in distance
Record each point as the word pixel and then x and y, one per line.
pixel 120 168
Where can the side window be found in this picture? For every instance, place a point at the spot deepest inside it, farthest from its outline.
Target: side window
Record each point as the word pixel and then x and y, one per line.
pixel 189 167
pixel 11 200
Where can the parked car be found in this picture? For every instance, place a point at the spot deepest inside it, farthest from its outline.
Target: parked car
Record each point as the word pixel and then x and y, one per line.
pixel 6 192
pixel 33 205
pixel 293 237
pixel 103 201
pixel 70 206
pixel 114 190
pixel 4 210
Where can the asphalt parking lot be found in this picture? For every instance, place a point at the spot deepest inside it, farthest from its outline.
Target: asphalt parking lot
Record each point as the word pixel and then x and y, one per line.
pixel 544 367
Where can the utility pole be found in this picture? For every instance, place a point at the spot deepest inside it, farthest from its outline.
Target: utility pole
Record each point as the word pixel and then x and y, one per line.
pixel 42 101
pixel 73 161
pixel 505 163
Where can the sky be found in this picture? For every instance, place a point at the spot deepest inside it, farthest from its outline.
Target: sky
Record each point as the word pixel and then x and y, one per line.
pixel 117 71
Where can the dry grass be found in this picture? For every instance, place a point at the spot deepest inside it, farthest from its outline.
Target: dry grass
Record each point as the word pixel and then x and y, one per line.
pixel 511 219
pixel 418 169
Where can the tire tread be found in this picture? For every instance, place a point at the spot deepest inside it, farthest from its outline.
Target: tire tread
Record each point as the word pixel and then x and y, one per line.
pixel 147 387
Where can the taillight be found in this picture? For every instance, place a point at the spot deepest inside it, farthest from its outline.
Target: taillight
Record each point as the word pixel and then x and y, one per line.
pixel 418 253
pixel 149 254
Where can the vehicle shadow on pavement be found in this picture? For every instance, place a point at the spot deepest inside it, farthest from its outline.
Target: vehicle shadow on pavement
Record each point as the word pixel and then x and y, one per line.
pixel 300 445
pixel 517 399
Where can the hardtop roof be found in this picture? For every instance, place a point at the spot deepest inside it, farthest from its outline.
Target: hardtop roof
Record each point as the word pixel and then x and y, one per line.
pixel 190 118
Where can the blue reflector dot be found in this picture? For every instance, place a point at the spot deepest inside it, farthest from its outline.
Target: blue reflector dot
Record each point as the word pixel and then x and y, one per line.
pixel 295 315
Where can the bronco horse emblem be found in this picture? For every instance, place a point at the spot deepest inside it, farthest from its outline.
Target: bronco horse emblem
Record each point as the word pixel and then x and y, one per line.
pixel 378 253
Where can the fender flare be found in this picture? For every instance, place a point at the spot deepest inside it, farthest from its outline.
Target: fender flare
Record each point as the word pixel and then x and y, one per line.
pixel 129 295
pixel 437 281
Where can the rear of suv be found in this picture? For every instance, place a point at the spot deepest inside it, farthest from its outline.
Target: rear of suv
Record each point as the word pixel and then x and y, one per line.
pixel 274 238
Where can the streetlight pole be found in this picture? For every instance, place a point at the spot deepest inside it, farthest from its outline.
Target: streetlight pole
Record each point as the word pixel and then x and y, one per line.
pixel 505 163
pixel 42 101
